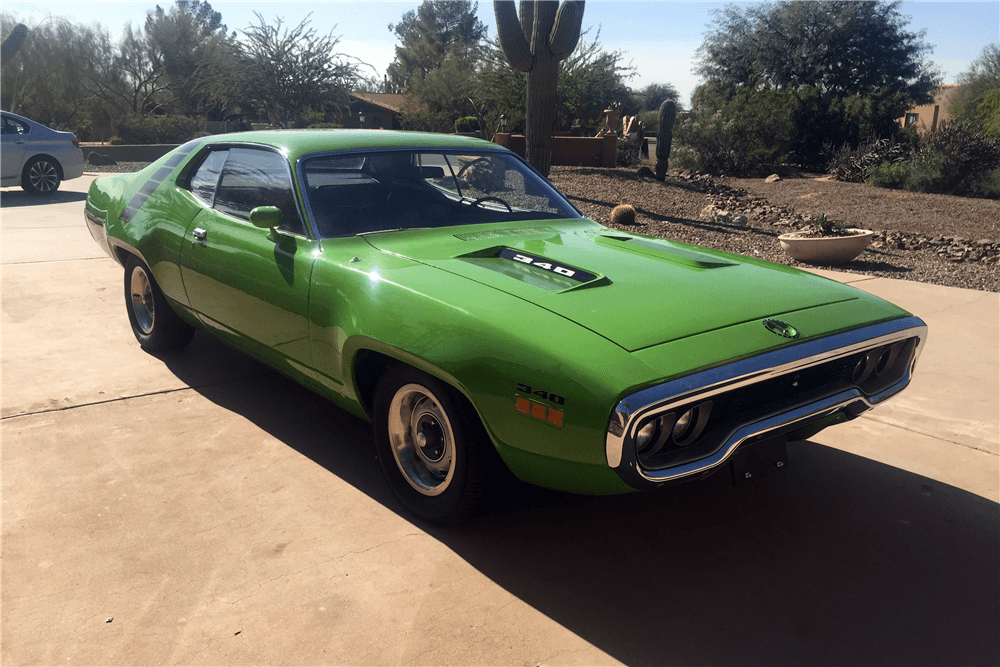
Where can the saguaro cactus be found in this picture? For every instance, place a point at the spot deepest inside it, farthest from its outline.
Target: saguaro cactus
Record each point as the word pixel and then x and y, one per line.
pixel 546 33
pixel 665 137
pixel 12 43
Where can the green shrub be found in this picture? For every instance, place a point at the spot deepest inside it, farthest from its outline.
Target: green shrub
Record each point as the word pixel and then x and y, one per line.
pixel 158 129
pixel 990 185
pixel 466 124
pixel 325 126
pixel 650 121
pixel 855 165
pixel 627 154
pixel 917 174
pixel 427 121
pixel 959 159
pixel 970 155
pixel 748 133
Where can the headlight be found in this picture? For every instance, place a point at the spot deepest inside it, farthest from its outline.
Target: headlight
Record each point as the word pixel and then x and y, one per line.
pixel 645 435
pixel 683 424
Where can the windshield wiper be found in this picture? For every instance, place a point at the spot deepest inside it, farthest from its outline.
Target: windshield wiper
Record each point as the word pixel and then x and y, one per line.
pixel 395 229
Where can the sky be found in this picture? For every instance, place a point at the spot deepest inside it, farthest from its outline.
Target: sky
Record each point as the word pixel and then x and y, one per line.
pixel 658 38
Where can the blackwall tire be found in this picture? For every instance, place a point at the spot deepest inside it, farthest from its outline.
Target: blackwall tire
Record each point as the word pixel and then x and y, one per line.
pixel 155 325
pixel 41 176
pixel 431 446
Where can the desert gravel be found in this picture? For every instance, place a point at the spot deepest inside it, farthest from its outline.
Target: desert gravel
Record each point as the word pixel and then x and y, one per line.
pixel 935 239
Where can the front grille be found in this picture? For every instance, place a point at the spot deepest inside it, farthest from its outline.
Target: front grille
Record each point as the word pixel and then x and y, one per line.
pixel 752 403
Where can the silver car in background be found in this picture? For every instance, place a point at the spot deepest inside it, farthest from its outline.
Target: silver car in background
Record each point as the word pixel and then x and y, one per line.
pixel 36 157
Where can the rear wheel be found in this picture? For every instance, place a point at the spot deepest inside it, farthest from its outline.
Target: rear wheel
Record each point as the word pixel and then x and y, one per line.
pixel 40 176
pixel 155 325
pixel 431 446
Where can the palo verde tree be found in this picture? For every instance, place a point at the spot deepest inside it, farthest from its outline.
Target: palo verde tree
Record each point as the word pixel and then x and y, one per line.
pixel 187 37
pixel 980 95
pixel 282 72
pixel 546 33
pixel 53 77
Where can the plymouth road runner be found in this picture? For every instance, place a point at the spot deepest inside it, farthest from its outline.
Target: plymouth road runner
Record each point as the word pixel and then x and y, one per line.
pixel 441 288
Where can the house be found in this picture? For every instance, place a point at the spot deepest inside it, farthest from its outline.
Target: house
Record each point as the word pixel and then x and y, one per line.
pixel 927 118
pixel 379 110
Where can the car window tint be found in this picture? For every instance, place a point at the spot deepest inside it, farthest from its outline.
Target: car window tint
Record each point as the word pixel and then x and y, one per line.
pixel 252 178
pixel 206 177
pixel 11 126
pixel 345 200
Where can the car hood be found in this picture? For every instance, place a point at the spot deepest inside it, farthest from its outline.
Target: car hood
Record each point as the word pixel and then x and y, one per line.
pixel 634 290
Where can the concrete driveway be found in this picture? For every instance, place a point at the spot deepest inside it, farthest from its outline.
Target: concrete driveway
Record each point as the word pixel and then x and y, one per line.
pixel 200 509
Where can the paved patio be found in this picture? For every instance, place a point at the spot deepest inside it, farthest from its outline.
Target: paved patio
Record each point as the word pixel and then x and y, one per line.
pixel 201 509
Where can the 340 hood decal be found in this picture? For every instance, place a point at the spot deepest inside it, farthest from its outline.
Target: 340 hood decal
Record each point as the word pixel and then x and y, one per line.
pixel 573 273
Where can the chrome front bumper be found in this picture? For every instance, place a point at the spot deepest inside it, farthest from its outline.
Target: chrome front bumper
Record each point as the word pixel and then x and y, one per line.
pixel 636 408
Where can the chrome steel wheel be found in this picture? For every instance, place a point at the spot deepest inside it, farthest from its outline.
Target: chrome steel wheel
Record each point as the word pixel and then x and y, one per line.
pixel 43 177
pixel 142 300
pixel 422 439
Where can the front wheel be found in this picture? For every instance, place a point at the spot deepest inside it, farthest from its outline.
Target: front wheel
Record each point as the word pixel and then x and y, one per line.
pixel 40 176
pixel 155 325
pixel 430 445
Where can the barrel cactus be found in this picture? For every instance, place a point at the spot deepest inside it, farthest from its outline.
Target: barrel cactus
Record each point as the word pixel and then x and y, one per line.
pixel 665 137
pixel 546 33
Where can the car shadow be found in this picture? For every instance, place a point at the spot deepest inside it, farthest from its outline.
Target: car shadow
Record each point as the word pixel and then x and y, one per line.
pixel 838 560
pixel 18 198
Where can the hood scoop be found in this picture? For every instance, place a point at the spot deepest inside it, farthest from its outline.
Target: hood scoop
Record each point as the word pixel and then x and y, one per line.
pixel 662 250
pixel 532 269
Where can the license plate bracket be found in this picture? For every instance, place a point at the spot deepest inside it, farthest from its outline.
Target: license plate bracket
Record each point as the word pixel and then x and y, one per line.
pixel 759 459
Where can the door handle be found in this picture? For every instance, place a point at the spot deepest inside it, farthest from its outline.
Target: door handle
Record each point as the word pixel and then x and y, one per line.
pixel 200 236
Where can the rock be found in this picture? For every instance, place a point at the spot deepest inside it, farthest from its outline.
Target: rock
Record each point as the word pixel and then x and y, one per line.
pixel 984 242
pixel 741 220
pixel 99 160
pixel 708 213
pixel 773 178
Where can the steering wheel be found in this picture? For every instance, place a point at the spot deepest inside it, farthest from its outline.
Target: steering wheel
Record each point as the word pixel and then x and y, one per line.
pixel 470 165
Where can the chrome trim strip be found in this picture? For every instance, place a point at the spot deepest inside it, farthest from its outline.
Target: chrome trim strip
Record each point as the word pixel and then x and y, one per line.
pixel 818 409
pixel 92 217
pixel 698 386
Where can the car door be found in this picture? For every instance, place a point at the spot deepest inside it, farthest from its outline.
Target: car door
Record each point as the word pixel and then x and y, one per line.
pixel 242 281
pixel 14 138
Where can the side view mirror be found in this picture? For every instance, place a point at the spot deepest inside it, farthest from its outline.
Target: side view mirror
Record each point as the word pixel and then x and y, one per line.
pixel 266 217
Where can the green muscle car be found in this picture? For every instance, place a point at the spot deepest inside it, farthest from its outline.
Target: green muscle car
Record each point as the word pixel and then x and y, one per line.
pixel 441 288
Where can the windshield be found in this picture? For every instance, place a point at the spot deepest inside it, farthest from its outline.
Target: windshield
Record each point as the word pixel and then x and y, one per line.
pixel 358 193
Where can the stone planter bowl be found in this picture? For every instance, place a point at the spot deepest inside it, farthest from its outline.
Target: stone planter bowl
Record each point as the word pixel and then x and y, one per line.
pixel 825 249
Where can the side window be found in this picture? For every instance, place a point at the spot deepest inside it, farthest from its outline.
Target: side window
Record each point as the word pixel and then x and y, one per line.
pixel 253 178
pixel 206 177
pixel 11 126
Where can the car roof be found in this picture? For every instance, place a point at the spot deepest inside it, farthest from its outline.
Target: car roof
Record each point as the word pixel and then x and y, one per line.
pixel 297 143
